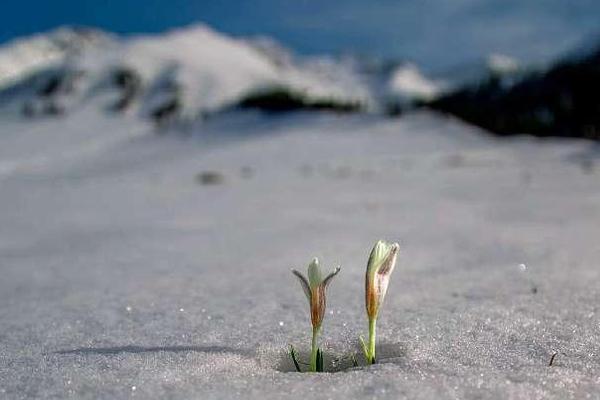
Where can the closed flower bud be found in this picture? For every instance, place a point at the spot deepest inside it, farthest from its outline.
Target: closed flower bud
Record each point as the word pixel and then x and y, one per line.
pixel 379 269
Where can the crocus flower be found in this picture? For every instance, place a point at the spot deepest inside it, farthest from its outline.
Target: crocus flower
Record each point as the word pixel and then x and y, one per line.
pixel 315 290
pixel 379 269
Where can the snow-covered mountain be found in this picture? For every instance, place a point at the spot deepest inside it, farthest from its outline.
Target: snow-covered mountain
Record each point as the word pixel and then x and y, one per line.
pixel 187 72
pixel 408 82
pixel 23 57
pixel 190 72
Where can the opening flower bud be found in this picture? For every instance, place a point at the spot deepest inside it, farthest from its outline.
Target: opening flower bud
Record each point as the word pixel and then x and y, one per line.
pixel 315 288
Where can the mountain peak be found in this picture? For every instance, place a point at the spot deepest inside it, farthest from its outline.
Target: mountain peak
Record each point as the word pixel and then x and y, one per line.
pixel 24 56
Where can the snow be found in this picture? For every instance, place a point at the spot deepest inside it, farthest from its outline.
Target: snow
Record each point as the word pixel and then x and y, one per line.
pixel 409 83
pixel 24 56
pixel 214 69
pixel 207 70
pixel 106 236
pixel 502 64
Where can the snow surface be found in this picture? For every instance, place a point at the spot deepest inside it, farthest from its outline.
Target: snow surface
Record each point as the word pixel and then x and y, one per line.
pixel 123 276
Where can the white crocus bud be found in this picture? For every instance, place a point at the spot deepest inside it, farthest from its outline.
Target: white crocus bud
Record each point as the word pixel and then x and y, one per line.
pixel 379 269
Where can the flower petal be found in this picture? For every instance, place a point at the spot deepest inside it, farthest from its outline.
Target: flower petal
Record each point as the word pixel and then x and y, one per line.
pixel 317 306
pixel 387 265
pixel 382 251
pixel 314 273
pixel 329 277
pixel 303 283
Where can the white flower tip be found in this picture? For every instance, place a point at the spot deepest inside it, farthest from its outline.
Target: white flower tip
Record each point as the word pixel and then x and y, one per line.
pixel 383 255
pixel 314 273
pixel 379 268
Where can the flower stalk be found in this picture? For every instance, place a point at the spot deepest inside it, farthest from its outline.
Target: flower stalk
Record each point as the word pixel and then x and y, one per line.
pixel 315 288
pixel 372 335
pixel 314 350
pixel 379 269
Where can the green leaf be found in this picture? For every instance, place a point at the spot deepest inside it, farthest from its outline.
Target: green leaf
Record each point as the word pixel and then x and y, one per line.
pixel 365 349
pixel 294 356
pixel 319 360
pixel 322 362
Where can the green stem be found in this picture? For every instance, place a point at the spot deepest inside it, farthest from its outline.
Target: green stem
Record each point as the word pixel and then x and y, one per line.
pixel 372 334
pixel 314 349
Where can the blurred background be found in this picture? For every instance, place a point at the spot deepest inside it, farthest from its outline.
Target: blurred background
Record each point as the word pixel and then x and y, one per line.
pixel 508 66
pixel 435 34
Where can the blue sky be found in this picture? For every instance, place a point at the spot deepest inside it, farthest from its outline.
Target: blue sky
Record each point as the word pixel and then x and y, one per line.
pixel 433 33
